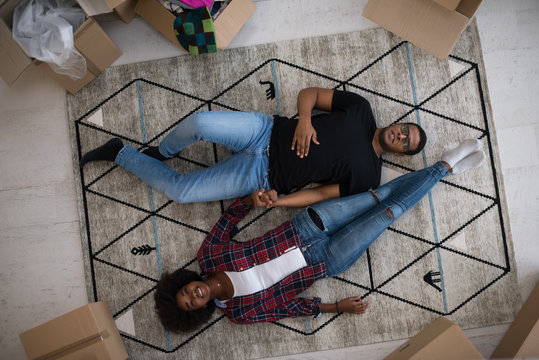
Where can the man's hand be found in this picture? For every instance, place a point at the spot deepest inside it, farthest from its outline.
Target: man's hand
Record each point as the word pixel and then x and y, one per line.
pixel 353 305
pixel 303 135
pixel 265 198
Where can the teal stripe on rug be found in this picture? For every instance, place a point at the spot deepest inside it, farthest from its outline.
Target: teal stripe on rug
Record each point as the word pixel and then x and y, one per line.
pixel 152 203
pixel 433 215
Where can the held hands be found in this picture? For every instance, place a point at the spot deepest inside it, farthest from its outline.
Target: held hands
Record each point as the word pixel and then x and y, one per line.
pixel 303 135
pixel 265 198
pixel 353 305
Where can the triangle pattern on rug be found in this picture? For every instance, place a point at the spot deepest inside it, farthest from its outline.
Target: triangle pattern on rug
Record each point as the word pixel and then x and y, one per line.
pixel 409 284
pixel 96 118
pixel 125 323
pixel 455 67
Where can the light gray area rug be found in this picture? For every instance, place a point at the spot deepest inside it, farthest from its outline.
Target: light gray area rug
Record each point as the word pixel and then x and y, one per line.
pixel 451 255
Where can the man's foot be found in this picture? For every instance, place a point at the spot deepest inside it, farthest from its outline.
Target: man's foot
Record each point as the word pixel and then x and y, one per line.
pixel 153 151
pixel 473 160
pixel 464 149
pixel 107 151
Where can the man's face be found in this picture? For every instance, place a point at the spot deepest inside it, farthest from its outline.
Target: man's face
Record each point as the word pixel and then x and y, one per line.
pixel 399 138
pixel 193 296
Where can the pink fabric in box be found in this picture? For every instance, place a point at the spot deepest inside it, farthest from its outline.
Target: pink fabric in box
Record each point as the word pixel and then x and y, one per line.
pixel 198 3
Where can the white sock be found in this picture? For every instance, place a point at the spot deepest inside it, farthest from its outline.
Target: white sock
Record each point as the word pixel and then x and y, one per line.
pixel 464 149
pixel 475 159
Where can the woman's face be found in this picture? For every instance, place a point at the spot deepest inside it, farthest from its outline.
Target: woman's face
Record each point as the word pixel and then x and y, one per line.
pixel 193 296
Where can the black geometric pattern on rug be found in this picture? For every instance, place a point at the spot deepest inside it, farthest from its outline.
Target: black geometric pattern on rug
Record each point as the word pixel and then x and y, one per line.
pixel 431 278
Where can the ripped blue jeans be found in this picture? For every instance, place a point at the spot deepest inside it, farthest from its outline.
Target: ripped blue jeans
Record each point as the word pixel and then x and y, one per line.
pixel 350 224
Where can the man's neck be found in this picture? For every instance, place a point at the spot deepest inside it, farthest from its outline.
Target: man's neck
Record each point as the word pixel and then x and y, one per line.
pixel 376 143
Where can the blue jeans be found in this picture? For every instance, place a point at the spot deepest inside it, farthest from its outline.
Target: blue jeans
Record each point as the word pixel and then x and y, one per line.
pixel 245 135
pixel 352 223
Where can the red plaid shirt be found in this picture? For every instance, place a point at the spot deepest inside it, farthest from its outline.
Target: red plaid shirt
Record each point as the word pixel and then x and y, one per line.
pixel 218 253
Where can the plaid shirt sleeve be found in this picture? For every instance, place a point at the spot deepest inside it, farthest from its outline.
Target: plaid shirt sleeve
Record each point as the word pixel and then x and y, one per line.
pixel 226 226
pixel 291 308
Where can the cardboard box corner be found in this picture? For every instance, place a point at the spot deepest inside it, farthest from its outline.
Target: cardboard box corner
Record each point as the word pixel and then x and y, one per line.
pixel 432 25
pixel 86 332
pixel 442 339
pixel 521 341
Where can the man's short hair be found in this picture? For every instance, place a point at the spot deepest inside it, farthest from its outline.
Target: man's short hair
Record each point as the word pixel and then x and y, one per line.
pixel 422 139
pixel 172 317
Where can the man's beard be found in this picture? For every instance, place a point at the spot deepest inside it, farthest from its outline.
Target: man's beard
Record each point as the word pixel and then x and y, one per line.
pixel 382 140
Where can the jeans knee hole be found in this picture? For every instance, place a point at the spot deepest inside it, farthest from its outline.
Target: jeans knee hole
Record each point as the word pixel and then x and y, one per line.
pixel 388 210
pixel 315 218
pixel 375 197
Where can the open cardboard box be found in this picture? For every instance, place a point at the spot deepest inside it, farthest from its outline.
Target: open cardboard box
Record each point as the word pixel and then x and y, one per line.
pixel 124 9
pixel 90 40
pixel 88 332
pixel 432 25
pixel 227 24
pixel 441 340
pixel 521 341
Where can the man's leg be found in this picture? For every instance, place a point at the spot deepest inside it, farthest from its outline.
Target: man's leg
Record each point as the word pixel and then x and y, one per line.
pixel 237 131
pixel 233 177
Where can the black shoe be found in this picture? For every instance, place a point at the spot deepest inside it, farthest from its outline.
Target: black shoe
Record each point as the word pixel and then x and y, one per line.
pixel 153 151
pixel 106 152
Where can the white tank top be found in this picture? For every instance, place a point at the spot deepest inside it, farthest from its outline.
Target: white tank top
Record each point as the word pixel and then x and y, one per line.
pixel 261 277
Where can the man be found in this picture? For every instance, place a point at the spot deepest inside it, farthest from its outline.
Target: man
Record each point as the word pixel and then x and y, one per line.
pixel 275 154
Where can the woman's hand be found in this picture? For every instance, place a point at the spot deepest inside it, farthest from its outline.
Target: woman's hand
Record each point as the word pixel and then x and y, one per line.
pixel 353 305
pixel 265 198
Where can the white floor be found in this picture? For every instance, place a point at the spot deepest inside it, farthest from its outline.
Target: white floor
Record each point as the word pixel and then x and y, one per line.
pixel 41 273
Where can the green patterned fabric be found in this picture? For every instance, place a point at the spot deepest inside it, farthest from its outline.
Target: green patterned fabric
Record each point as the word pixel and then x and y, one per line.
pixel 195 31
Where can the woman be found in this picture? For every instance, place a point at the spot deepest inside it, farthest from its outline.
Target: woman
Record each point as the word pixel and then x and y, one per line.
pixel 258 280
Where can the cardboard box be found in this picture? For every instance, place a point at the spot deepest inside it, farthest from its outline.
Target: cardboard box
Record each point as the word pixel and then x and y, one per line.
pixel 88 332
pixel 432 25
pixel 521 341
pixel 90 40
pixel 124 9
pixel 441 340
pixel 227 24
pixel 449 4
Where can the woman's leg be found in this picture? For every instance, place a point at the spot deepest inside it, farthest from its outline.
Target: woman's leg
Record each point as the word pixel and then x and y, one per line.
pixel 341 248
pixel 233 177
pixel 237 131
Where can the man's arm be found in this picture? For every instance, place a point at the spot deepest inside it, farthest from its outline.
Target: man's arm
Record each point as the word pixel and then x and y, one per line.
pixel 297 199
pixel 309 99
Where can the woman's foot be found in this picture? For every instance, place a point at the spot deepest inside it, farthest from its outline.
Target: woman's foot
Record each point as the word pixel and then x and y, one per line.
pixel 473 160
pixel 464 149
pixel 108 151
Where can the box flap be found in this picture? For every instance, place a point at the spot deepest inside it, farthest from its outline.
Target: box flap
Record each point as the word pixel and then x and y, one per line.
pixel 96 7
pixel 468 7
pixel 106 324
pixel 6 11
pixel 448 4
pixel 13 61
pixel 524 327
pixel 65 81
pixel 159 17
pixel 96 46
pixel 442 339
pixel 61 332
pixel 126 10
pixel 424 23
pixel 230 21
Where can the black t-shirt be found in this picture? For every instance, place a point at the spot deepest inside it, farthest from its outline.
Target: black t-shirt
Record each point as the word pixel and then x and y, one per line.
pixel 345 155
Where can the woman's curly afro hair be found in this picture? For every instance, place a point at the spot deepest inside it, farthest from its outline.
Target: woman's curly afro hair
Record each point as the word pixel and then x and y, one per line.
pixel 172 317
